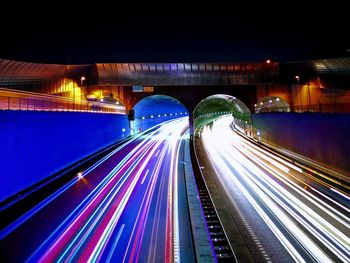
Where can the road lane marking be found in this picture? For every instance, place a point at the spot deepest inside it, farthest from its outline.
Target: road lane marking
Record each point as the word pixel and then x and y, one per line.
pixel 144 177
pixel 115 243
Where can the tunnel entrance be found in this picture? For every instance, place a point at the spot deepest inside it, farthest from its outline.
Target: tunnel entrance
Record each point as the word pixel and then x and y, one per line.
pixel 105 101
pixel 271 104
pixel 218 105
pixel 154 110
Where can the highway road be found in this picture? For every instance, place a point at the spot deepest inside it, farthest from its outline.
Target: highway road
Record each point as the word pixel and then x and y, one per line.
pixel 125 208
pixel 291 215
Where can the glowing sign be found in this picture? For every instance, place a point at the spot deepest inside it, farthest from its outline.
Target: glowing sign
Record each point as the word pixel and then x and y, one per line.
pixel 137 88
pixel 142 89
pixel 148 89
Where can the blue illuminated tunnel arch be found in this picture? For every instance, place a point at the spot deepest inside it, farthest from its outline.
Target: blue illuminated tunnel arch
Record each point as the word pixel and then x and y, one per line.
pixel 156 109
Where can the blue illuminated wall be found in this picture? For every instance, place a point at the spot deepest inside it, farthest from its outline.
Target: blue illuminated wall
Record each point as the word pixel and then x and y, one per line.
pixel 156 109
pixel 35 145
pixel 318 136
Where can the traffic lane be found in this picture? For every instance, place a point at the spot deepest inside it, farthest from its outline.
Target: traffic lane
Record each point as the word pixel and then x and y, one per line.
pixel 131 217
pixel 95 246
pixel 162 242
pixel 153 245
pixel 264 240
pixel 326 226
pixel 303 195
pixel 96 211
pixel 48 218
pixel 314 223
pixel 246 166
pixel 326 192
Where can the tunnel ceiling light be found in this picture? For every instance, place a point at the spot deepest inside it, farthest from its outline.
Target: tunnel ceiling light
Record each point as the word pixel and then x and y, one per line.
pixel 101 100
pixel 254 105
pixel 180 113
pixel 123 130
pixel 158 115
pixel 164 114
pixel 268 61
pixel 117 102
pixel 143 118
pixel 151 116
pixel 270 101
pixel 261 103
pixel 278 99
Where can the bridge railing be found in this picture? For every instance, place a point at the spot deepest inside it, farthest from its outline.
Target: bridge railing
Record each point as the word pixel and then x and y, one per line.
pixel 340 107
pixel 320 107
pixel 18 100
pixel 21 100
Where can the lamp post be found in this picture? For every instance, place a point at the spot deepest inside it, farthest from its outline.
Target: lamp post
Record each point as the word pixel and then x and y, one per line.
pixel 81 81
pixel 297 78
pixel 301 104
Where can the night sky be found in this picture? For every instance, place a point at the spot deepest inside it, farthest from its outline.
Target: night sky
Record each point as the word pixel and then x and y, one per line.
pixel 178 32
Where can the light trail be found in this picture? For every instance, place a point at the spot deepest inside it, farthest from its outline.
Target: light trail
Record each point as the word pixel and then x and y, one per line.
pixel 111 221
pixel 294 206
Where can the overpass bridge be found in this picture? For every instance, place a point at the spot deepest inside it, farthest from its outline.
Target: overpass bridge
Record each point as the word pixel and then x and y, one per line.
pixel 320 85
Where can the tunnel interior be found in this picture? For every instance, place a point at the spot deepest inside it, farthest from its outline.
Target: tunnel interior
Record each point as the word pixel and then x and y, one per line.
pixel 218 105
pixel 271 104
pixel 105 100
pixel 154 110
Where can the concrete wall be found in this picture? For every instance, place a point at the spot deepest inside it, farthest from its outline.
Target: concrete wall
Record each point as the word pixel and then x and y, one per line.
pixel 311 97
pixel 321 137
pixel 36 144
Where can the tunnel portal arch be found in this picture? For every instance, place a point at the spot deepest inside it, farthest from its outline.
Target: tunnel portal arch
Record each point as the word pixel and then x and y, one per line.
pixel 155 109
pixel 272 104
pixel 218 105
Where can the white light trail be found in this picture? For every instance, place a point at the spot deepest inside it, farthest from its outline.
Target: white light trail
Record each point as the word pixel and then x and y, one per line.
pixel 281 190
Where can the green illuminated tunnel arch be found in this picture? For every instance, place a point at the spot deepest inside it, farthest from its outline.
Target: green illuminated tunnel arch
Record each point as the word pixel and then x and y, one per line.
pixel 217 105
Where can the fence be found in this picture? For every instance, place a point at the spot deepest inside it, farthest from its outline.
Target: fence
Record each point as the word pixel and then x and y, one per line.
pixel 18 100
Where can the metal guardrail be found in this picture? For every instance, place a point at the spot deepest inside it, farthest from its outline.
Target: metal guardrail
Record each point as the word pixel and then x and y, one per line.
pixel 336 107
pixel 321 107
pixel 28 101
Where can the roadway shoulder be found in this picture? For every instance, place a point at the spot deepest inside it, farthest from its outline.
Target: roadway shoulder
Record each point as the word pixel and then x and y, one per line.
pixel 202 244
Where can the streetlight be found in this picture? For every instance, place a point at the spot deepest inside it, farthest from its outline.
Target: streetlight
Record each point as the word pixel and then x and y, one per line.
pixel 298 78
pixel 299 89
pixel 81 81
